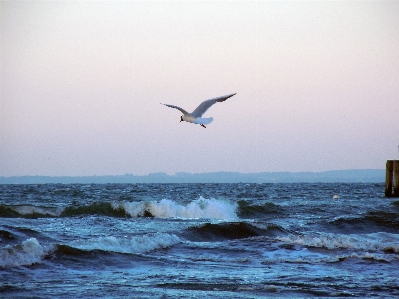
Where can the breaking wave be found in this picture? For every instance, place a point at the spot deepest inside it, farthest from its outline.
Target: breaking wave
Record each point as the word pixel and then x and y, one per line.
pixel 31 252
pixel 27 253
pixel 28 211
pixel 136 244
pixel 200 208
pixel 369 242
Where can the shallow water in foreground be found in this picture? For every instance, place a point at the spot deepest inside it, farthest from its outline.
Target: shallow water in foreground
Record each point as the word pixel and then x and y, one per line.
pixel 198 241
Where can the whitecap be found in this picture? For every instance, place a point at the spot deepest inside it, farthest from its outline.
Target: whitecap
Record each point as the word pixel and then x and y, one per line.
pixel 25 254
pixel 135 244
pixel 166 208
pixel 368 242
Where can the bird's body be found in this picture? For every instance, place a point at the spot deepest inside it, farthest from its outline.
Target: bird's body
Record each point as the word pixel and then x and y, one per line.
pixel 195 117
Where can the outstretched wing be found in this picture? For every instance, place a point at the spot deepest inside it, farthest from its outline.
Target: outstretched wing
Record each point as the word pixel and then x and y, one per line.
pixel 178 108
pixel 205 105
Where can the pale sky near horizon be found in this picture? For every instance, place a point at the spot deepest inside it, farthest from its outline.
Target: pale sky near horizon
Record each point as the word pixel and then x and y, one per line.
pixel 317 86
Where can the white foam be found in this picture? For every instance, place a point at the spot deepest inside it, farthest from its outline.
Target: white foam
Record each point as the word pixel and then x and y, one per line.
pixel 136 244
pixel 25 254
pixel 200 208
pixel 369 242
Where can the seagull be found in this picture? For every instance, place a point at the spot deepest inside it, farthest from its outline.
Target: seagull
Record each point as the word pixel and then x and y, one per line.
pixel 195 117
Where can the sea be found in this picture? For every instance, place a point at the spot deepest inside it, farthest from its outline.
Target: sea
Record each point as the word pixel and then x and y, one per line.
pixel 297 240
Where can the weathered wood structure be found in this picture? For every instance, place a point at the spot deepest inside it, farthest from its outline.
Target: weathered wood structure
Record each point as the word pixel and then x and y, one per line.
pixel 392 178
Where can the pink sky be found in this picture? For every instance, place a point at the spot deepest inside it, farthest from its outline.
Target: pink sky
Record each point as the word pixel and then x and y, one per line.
pixel 317 86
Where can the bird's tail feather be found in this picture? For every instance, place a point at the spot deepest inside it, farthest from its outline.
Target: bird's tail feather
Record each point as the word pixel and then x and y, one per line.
pixel 204 121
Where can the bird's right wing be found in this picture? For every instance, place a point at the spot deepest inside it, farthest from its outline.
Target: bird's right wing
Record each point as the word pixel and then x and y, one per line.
pixel 205 105
pixel 178 108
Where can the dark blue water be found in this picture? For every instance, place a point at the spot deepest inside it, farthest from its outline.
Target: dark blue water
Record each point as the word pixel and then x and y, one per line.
pixel 198 241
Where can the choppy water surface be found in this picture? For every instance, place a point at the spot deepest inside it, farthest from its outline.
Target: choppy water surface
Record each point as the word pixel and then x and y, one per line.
pixel 198 241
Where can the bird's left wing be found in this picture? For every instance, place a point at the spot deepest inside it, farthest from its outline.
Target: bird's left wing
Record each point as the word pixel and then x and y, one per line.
pixel 205 105
pixel 178 108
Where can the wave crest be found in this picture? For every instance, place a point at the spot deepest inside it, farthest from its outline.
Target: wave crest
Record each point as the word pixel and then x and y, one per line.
pixel 200 208
pixel 333 241
pixel 136 244
pixel 231 231
pixel 28 211
pixel 27 253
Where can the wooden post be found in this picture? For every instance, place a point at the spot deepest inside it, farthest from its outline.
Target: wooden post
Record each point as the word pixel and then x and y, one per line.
pixel 396 178
pixel 388 178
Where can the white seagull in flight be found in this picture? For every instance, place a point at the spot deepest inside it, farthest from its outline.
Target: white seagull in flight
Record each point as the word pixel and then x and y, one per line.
pixel 195 117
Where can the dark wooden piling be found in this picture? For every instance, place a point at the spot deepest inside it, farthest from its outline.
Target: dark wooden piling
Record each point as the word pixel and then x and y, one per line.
pixel 388 178
pixel 396 178
pixel 392 178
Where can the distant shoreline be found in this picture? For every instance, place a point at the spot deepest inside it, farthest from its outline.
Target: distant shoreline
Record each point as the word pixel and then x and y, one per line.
pixel 332 176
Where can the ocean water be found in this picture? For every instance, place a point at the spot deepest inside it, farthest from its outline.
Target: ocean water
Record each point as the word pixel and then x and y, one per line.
pixel 198 241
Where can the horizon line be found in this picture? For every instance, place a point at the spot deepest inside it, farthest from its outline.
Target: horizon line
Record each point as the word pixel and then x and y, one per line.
pixel 196 173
